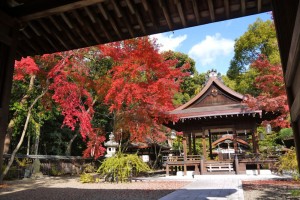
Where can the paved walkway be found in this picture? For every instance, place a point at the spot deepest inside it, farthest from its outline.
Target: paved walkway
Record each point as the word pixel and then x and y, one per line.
pixel 213 187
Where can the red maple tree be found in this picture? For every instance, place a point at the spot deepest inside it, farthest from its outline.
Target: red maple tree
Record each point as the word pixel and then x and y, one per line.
pixel 142 87
pixel 67 78
pixel 138 89
pixel 273 95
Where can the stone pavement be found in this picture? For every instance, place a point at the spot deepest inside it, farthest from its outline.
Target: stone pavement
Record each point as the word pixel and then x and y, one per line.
pixel 213 187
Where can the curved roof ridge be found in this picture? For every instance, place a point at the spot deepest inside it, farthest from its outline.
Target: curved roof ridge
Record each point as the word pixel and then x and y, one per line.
pixel 211 80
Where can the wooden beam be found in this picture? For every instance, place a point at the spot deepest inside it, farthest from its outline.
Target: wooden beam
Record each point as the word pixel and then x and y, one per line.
pixel 211 10
pixel 89 13
pixel 196 11
pixel 44 26
pixel 116 8
pixel 295 109
pixel 166 14
pixel 181 13
pixel 259 6
pixel 121 13
pixel 59 9
pixel 294 53
pixel 226 6
pixel 66 20
pixel 103 28
pixel 135 11
pixel 55 23
pixel 34 29
pixel 132 10
pixel 145 4
pixel 103 12
pixel 81 36
pixel 243 7
pixel 78 18
pixel 150 12
pixel 8 53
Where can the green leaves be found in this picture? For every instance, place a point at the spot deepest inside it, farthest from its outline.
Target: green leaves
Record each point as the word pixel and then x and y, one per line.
pixel 122 166
pixel 260 38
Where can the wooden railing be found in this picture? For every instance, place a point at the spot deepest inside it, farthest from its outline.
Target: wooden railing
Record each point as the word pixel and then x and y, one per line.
pixel 189 158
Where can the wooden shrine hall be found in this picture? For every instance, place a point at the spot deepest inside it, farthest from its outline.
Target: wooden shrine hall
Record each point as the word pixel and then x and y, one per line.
pixel 219 114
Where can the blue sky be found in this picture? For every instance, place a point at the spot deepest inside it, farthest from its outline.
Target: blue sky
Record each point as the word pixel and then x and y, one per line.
pixel 211 45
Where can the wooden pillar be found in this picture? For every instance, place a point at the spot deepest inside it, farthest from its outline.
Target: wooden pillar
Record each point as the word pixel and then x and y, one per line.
pixel 235 141
pixel 210 145
pixel 184 155
pixel 204 146
pixel 236 163
pixel 202 166
pixel 255 140
pixel 287 18
pixel 8 42
pixel 167 170
pixel 194 144
pixel 190 143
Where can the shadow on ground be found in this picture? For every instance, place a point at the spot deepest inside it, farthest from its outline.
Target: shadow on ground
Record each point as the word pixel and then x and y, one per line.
pixel 84 194
pixel 200 194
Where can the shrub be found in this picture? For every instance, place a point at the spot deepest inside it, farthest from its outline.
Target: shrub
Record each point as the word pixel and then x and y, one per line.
pixel 55 171
pixel 87 178
pixel 88 168
pixel 121 167
pixel 288 162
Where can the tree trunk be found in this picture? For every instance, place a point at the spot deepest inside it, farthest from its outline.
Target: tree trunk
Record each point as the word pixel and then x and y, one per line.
pixel 11 123
pixel 69 147
pixel 37 139
pixel 157 154
pixel 22 135
pixel 28 145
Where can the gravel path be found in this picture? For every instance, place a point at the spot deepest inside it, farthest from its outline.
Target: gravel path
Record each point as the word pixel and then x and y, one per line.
pixel 70 188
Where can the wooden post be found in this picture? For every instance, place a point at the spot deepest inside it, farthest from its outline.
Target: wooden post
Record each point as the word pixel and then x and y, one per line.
pixel 184 154
pixel 190 143
pixel 194 144
pixel 167 170
pixel 204 146
pixel 235 141
pixel 202 166
pixel 7 53
pixel 210 145
pixel 236 163
pixel 286 17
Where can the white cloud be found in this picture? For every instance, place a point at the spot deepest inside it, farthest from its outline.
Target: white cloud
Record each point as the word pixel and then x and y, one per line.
pixel 168 42
pixel 211 48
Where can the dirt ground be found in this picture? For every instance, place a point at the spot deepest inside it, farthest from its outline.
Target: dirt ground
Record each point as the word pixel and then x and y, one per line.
pixel 271 189
pixel 70 188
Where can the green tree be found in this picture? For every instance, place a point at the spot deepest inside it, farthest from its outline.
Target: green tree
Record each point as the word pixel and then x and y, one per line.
pixel 260 38
pixel 192 84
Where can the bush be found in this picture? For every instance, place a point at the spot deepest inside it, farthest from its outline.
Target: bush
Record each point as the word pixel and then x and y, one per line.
pixel 89 168
pixel 121 167
pixel 87 178
pixel 288 163
pixel 55 170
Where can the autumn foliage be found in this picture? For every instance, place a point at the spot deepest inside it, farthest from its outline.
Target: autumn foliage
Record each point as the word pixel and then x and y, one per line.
pixel 142 89
pixel 273 96
pixel 138 89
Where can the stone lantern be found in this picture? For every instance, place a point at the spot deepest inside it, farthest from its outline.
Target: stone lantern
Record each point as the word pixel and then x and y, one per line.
pixel 111 145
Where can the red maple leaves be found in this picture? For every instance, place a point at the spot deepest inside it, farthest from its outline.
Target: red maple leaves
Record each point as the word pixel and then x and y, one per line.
pixel 273 95
pixel 138 90
pixel 26 66
pixel 143 86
